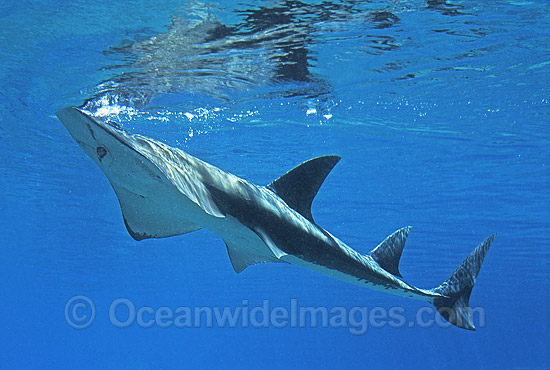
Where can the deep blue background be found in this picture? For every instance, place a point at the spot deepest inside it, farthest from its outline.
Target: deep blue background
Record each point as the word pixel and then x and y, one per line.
pixel 459 151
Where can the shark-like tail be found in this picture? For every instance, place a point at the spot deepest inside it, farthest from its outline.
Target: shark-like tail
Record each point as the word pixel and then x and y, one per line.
pixel 454 307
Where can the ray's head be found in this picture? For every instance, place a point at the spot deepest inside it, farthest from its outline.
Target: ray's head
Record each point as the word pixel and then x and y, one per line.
pixel 95 137
pixel 123 157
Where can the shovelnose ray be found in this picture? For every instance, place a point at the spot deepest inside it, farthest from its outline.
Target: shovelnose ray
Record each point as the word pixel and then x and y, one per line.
pixel 164 191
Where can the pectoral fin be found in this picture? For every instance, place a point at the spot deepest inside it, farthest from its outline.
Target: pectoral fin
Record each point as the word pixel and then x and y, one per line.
pixel 144 218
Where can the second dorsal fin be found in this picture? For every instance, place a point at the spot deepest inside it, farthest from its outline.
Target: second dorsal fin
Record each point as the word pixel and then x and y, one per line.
pixel 299 186
pixel 388 253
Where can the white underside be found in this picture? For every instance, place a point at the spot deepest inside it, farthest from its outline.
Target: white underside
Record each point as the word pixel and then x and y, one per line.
pixel 396 290
pixel 167 212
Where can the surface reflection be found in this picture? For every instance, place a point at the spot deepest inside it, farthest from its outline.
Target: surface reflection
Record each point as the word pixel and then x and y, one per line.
pixel 271 47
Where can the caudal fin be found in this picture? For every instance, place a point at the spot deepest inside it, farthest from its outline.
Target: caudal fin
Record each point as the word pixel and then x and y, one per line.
pixel 454 307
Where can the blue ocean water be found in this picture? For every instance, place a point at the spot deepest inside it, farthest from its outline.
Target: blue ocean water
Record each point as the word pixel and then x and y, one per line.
pixel 439 110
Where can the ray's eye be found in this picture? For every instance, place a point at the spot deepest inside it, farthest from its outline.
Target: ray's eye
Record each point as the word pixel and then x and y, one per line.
pixel 101 152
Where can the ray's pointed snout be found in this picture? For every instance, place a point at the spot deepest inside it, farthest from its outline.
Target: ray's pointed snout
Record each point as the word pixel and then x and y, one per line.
pixel 68 115
pixel 77 123
pixel 87 132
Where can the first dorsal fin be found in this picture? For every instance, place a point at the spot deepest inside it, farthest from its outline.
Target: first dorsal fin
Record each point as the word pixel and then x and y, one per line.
pixel 388 253
pixel 299 186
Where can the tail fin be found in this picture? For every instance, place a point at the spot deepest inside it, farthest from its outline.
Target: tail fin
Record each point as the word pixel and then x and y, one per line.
pixel 454 307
